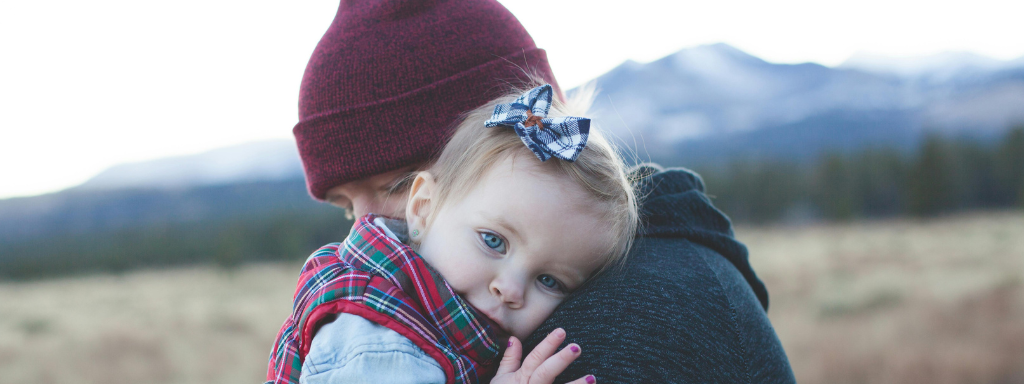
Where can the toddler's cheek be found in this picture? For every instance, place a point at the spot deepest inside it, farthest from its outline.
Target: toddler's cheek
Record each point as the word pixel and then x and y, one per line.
pixel 530 323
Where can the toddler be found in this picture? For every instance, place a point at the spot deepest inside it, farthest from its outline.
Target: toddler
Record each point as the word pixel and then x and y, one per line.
pixel 496 235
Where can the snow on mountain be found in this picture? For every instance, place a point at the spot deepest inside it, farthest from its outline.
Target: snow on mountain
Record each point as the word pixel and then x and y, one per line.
pixel 679 105
pixel 717 89
pixel 258 161
pixel 935 68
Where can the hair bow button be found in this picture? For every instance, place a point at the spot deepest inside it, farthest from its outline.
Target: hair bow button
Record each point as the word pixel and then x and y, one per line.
pixel 562 137
pixel 533 120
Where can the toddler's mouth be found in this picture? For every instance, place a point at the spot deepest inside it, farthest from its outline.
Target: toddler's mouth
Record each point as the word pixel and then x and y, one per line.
pixel 498 328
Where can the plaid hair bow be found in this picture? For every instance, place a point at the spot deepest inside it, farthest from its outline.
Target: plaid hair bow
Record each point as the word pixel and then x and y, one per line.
pixel 561 137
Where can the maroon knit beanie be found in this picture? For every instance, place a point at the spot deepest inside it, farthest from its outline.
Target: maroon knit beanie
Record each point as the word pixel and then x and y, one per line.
pixel 390 78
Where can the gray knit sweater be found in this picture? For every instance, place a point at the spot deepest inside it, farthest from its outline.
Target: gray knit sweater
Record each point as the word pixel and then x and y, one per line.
pixel 686 307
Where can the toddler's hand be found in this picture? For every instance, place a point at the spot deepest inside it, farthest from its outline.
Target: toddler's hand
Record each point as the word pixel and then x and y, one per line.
pixel 540 367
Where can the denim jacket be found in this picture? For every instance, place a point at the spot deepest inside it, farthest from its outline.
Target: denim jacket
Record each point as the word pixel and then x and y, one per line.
pixel 351 349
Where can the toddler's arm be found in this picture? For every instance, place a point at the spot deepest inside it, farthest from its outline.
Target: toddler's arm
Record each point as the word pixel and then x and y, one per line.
pixel 351 349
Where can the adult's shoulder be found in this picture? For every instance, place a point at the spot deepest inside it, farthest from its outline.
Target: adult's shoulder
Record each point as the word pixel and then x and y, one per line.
pixel 674 206
pixel 678 310
pixel 683 307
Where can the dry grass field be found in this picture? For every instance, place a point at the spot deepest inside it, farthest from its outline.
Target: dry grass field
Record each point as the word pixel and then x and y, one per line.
pixel 175 326
pixel 938 301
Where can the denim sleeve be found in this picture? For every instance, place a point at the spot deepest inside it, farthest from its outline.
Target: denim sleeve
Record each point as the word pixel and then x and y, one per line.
pixel 351 349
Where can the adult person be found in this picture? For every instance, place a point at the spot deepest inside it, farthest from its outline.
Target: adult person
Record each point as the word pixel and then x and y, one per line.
pixel 383 87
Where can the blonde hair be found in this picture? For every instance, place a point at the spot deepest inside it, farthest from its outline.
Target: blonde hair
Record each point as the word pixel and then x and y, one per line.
pixel 599 169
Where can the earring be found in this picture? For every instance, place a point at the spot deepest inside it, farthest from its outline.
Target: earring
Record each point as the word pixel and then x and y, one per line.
pixel 415 232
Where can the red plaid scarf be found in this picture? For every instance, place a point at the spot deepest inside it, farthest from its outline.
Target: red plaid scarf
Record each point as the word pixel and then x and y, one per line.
pixel 381 279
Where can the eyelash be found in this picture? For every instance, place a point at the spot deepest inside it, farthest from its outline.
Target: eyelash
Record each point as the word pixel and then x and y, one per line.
pixel 559 287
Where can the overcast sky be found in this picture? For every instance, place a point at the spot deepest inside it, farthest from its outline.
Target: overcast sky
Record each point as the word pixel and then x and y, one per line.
pixel 86 85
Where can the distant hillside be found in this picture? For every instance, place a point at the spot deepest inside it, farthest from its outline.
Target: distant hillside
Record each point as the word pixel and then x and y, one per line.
pixel 937 68
pixel 231 205
pixel 713 103
pixel 77 230
pixel 74 212
pixel 259 161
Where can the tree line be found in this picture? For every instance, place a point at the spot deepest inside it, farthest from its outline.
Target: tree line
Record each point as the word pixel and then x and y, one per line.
pixel 225 243
pixel 943 175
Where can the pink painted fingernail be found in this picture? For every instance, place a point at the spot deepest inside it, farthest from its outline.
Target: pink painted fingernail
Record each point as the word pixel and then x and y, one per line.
pixel 510 343
pixel 574 348
pixel 591 379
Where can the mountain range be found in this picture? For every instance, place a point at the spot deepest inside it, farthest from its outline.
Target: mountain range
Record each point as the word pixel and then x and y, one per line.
pixel 701 106
pixel 711 104
pixel 715 103
pixel 273 160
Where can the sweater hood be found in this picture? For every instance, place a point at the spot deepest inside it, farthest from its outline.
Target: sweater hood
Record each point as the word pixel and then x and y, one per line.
pixel 674 206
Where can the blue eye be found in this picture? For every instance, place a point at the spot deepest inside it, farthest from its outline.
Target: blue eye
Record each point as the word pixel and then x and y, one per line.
pixel 493 241
pixel 548 281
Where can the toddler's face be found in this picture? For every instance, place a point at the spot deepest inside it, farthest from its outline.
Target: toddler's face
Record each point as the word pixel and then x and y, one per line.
pixel 516 244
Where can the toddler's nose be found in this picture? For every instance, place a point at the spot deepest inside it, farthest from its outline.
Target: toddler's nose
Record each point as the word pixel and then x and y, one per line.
pixel 509 294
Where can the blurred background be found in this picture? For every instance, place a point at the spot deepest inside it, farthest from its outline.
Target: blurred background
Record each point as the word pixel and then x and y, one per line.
pixel 153 212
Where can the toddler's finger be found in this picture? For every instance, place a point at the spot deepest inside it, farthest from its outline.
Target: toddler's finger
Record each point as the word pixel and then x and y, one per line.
pixel 588 379
pixel 542 351
pixel 510 360
pixel 554 365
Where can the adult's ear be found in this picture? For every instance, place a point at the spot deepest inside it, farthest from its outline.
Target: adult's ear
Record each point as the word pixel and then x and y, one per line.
pixel 421 205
